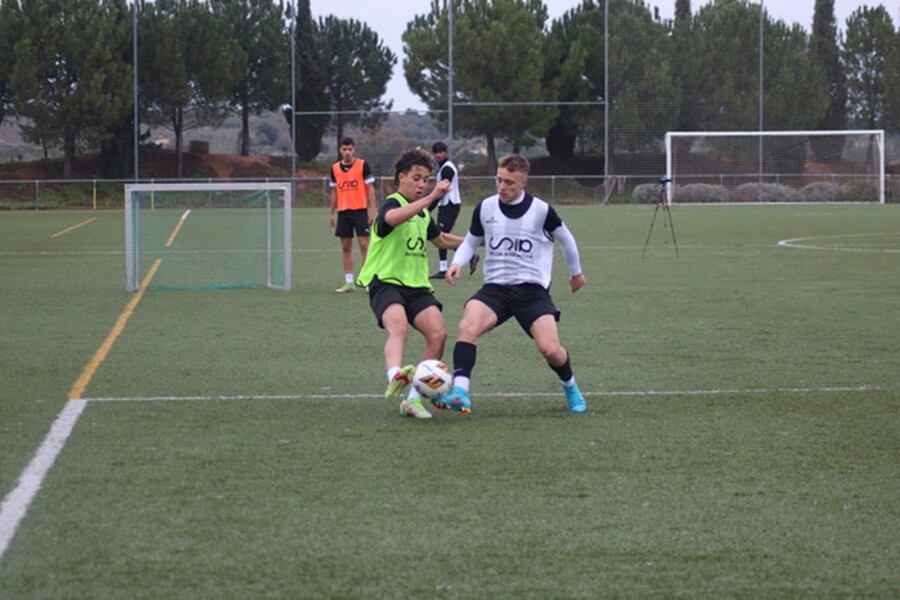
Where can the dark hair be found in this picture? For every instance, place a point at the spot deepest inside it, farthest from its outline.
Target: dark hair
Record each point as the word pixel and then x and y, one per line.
pixel 412 158
pixel 514 162
pixel 347 141
pixel 438 147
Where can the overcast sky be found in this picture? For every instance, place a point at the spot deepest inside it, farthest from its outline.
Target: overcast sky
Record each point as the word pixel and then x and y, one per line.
pixel 389 19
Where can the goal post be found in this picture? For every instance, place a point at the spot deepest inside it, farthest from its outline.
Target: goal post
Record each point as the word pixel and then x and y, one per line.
pixel 775 166
pixel 208 235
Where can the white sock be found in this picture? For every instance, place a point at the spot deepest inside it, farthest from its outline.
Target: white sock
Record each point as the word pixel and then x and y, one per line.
pixel 391 372
pixel 569 382
pixel 461 382
pixel 443 266
pixel 348 277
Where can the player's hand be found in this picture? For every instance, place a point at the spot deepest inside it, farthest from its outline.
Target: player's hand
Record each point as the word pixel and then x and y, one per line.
pixel 576 282
pixel 452 275
pixel 331 220
pixel 441 187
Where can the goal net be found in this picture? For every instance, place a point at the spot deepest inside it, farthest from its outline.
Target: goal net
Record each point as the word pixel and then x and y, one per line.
pixel 208 236
pixel 775 166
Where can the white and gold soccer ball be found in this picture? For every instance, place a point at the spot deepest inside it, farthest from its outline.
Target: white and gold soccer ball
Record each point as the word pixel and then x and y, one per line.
pixel 432 378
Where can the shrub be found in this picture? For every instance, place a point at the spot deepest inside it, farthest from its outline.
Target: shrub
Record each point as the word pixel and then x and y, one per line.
pixel 763 192
pixel 819 191
pixel 701 193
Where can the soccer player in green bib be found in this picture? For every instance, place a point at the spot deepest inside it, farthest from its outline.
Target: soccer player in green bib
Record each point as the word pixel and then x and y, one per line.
pixel 396 274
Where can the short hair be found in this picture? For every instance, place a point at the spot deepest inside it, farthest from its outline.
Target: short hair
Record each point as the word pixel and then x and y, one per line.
pixel 414 157
pixel 438 147
pixel 514 162
pixel 347 141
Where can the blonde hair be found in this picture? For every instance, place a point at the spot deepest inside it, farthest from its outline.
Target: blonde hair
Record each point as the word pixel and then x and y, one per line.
pixel 514 162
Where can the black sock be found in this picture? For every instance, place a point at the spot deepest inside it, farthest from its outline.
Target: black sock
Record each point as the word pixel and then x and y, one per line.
pixel 463 359
pixel 564 371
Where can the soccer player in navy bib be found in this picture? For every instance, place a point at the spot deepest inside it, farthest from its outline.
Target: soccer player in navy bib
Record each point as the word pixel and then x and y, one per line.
pixel 518 232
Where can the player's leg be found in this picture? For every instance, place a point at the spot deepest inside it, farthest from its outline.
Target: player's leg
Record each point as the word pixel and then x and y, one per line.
pixel 343 229
pixel 430 323
pixel 361 226
pixel 545 333
pixel 347 263
pixel 363 241
pixel 393 320
pixel 477 319
pixel 447 216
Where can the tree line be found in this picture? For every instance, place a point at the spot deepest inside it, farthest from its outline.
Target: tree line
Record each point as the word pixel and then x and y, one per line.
pixel 68 68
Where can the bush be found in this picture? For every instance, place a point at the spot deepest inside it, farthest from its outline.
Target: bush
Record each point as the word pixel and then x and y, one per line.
pixel 819 191
pixel 858 191
pixel 765 192
pixel 704 193
pixel 645 193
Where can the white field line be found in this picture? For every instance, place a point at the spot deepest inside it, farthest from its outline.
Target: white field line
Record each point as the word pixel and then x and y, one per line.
pixel 808 243
pixel 16 504
pixel 607 394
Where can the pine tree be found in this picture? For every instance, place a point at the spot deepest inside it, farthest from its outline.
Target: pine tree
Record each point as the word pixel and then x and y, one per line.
pixel 825 52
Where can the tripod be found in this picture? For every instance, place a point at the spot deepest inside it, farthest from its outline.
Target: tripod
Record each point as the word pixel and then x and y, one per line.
pixel 663 203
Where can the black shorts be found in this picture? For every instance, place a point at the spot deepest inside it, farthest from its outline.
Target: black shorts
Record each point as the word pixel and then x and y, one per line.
pixel 414 300
pixel 349 221
pixel 446 217
pixel 525 301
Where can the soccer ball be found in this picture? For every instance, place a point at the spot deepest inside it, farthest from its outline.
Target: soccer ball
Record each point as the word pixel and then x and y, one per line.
pixel 432 378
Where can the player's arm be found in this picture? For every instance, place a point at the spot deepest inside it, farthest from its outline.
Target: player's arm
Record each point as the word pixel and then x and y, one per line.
pixel 369 180
pixel 401 214
pixel 373 206
pixel 332 209
pixel 447 241
pixel 573 258
pixel 464 253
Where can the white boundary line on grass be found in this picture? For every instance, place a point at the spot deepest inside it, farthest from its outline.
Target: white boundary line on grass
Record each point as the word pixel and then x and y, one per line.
pixel 15 505
pixel 609 394
pixel 801 243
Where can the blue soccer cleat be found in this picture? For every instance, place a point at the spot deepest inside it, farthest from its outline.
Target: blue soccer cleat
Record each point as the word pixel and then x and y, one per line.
pixel 456 399
pixel 574 399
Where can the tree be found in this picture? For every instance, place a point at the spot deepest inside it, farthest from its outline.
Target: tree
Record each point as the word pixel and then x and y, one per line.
pixel 258 28
pixel 892 87
pixel 10 28
pixel 684 66
pixel 825 52
pixel 117 143
pixel 644 100
pixel 727 72
pixel 309 118
pixel 357 67
pixel 870 40
pixel 575 67
pixel 189 70
pixel 68 79
pixel 502 62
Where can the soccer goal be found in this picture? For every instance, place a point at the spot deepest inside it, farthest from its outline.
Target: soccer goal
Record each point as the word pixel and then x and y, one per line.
pixel 183 236
pixel 775 166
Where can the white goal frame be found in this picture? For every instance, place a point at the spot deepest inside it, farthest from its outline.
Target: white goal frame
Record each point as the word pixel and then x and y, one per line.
pixel 132 237
pixel 877 133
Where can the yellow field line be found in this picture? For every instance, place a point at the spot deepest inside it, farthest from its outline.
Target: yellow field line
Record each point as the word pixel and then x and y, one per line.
pixel 72 228
pixel 181 221
pixel 88 373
